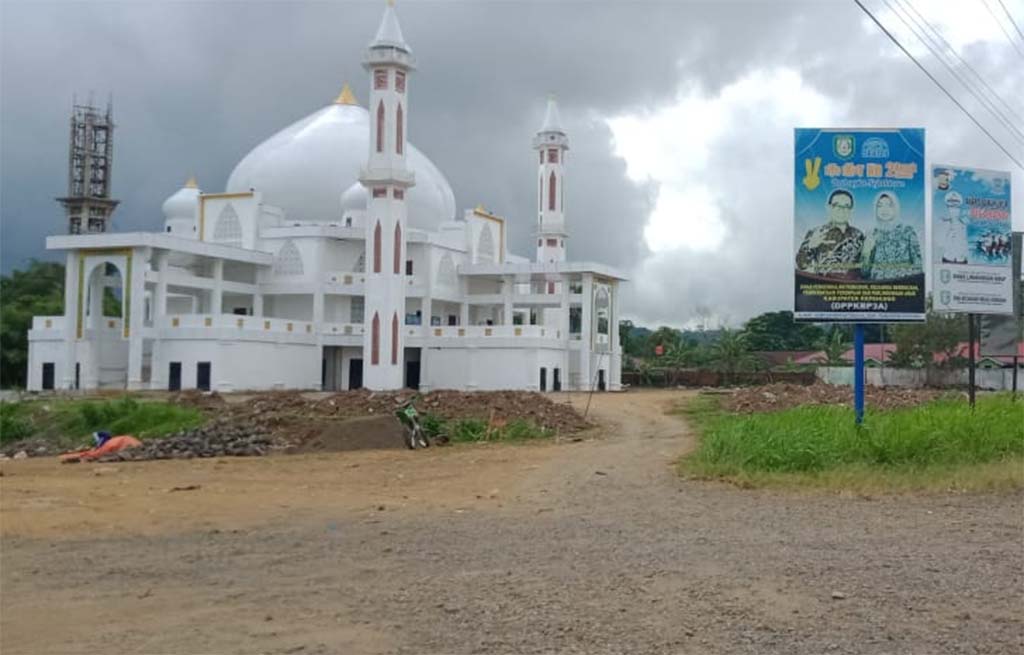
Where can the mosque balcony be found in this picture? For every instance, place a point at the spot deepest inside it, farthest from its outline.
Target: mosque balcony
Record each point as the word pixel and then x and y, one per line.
pixel 48 323
pixel 344 282
pixel 224 326
pixel 495 332
pixel 343 329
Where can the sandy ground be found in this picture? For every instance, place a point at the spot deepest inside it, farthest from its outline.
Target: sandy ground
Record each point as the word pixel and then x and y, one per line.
pixel 593 546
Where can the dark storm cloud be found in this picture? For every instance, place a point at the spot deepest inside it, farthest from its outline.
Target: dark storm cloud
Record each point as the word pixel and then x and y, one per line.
pixel 197 85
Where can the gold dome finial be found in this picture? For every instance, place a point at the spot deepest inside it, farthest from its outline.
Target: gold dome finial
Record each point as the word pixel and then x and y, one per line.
pixel 391 3
pixel 191 183
pixel 346 97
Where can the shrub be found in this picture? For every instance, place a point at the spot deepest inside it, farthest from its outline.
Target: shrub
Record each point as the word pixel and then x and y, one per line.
pixel 14 425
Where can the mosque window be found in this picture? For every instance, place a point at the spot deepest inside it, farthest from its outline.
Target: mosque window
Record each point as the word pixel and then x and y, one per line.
pixel 288 260
pixel 539 243
pixel 228 228
pixel 380 79
pixel 408 267
pixel 552 243
pixel 398 249
pixel 399 194
pixel 400 81
pixel 552 156
pixel 380 192
pixel 376 248
pixel 399 130
pixel 360 263
pixel 540 194
pixel 394 339
pixel 541 153
pixel 380 127
pixel 551 192
pixel 356 309
pixel 168 228
pixel 375 340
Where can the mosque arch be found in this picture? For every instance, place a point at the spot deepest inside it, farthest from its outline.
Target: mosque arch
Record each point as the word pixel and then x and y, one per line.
pixel 228 228
pixel 485 245
pixel 399 130
pixel 376 248
pixel 446 272
pixel 398 249
pixel 394 339
pixel 375 340
pixel 380 127
pixel 288 260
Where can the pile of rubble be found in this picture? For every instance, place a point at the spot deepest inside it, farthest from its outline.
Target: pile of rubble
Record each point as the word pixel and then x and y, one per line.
pixel 216 440
pixel 775 397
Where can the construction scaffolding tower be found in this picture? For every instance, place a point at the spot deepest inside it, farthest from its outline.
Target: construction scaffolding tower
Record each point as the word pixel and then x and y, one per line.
pixel 90 154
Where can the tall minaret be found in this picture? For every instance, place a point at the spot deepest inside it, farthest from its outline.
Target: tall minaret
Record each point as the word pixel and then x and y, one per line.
pixel 551 144
pixel 387 179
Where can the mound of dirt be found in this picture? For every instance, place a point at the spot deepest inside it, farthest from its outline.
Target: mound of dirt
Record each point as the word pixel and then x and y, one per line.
pixel 363 433
pixel 776 397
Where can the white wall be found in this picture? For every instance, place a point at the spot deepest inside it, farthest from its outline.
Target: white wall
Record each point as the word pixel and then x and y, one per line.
pixel 487 369
pixel 985 378
pixel 240 365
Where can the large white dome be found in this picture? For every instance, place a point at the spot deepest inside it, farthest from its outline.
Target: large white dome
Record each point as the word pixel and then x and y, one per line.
pixel 305 168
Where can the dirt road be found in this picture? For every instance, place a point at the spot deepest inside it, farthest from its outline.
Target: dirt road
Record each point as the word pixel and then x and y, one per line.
pixel 577 547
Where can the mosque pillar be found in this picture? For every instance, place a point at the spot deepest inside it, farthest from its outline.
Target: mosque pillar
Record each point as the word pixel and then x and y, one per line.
pixel 507 289
pixel 135 319
pixel 257 304
pixel 217 294
pixel 586 338
pixel 72 280
pixel 160 298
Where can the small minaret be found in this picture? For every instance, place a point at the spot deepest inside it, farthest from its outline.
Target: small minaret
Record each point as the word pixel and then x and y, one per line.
pixel 551 144
pixel 387 179
pixel 90 155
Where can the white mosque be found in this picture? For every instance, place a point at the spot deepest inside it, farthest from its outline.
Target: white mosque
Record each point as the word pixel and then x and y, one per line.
pixel 336 259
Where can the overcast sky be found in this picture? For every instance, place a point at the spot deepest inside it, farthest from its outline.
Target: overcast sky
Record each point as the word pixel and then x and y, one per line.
pixel 680 114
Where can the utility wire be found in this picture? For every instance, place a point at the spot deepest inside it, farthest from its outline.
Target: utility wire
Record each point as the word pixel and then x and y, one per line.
pixel 934 48
pixel 939 84
pixel 965 64
pixel 1009 37
pixel 1012 22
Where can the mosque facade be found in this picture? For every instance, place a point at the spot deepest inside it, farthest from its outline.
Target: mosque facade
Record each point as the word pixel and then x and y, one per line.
pixel 336 259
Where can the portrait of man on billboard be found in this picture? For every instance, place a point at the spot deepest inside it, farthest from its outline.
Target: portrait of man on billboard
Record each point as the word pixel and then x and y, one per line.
pixel 834 248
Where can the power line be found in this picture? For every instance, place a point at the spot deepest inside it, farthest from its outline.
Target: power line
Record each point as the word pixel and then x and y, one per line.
pixel 964 62
pixel 938 84
pixel 1012 22
pixel 933 47
pixel 1008 36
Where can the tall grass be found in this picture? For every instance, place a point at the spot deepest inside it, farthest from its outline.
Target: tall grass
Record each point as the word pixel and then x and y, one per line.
pixel 71 421
pixel 940 435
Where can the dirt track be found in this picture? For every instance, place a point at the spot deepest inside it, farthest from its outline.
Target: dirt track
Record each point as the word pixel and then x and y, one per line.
pixel 587 547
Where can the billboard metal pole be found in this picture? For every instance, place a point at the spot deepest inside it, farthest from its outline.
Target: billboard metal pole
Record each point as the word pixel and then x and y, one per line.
pixel 858 372
pixel 970 358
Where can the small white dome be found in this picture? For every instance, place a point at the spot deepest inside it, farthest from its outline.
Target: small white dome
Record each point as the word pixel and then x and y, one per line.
pixel 354 198
pixel 182 203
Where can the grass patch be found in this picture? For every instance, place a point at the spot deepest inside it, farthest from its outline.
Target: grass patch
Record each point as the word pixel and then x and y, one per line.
pixel 70 422
pixel 937 446
pixel 471 430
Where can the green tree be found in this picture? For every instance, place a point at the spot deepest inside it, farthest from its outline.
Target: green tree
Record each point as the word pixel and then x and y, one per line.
pixel 834 347
pixel 779 331
pixel 36 291
pixel 731 353
pixel 917 343
pixel 665 336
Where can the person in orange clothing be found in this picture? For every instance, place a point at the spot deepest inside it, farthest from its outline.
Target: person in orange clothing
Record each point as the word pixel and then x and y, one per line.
pixel 105 444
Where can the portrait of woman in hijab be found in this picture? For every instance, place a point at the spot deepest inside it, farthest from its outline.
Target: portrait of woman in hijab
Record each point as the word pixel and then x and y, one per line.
pixel 892 250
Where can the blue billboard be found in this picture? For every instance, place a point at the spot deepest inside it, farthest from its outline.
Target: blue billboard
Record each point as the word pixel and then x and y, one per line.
pixel 859 225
